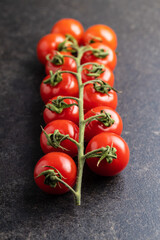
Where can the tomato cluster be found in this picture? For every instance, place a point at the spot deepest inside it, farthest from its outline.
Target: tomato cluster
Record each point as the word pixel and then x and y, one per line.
pixel 75 59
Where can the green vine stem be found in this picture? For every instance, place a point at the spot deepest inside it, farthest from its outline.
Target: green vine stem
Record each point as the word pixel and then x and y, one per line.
pixel 53 177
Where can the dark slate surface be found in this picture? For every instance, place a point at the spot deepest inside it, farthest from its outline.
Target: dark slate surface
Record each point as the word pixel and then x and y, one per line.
pixel 126 207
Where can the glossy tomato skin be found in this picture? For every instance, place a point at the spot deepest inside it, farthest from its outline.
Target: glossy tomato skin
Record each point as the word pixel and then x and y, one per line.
pixel 71 113
pixel 95 127
pixel 109 61
pixel 104 32
pixel 69 63
pixel 67 87
pixel 118 164
pixel 47 44
pixel 107 76
pixel 69 26
pixel 64 164
pixel 64 127
pixel 93 99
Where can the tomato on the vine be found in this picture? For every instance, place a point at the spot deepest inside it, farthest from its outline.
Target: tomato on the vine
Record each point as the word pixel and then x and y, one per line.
pixel 68 64
pixel 69 26
pixel 64 127
pixel 100 33
pixel 116 147
pixel 71 113
pixel 107 76
pixel 63 164
pixel 92 98
pixel 48 44
pixel 111 123
pixel 110 60
pixel 68 86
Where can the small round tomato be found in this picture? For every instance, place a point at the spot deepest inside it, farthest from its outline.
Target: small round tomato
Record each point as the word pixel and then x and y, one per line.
pixel 67 87
pixel 47 44
pixel 106 167
pixel 69 26
pixel 69 63
pixel 93 99
pixel 64 168
pixel 100 33
pixel 113 122
pixel 64 127
pixel 107 76
pixel 110 60
pixel 71 113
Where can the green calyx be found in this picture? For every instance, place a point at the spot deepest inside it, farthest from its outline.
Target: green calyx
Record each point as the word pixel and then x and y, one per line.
pixel 55 139
pixel 58 105
pixel 104 118
pixel 52 176
pixel 103 87
pixel 68 45
pixel 99 53
pixel 54 79
pixel 57 59
pixel 95 39
pixel 108 153
pixel 96 70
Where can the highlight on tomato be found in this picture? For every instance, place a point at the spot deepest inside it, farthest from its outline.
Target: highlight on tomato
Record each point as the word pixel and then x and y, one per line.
pixel 60 107
pixel 53 137
pixel 69 26
pixel 104 119
pixel 113 156
pixel 56 61
pixel 100 33
pixel 47 44
pixel 92 72
pixel 57 84
pixel 52 166
pixel 109 60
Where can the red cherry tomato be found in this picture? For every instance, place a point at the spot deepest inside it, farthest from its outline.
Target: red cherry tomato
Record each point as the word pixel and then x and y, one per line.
pixel 100 33
pixel 93 99
pixel 69 26
pixel 71 113
pixel 117 165
pixel 64 127
pixel 64 164
pixel 107 76
pixel 47 44
pixel 110 60
pixel 67 87
pixel 69 64
pixel 95 127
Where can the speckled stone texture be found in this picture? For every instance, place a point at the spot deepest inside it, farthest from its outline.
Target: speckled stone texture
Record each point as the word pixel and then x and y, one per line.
pixel 126 207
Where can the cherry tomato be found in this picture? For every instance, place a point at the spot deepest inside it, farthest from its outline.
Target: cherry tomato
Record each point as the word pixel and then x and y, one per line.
pixel 64 127
pixel 100 33
pixel 107 76
pixel 93 99
pixel 110 60
pixel 95 127
pixel 67 87
pixel 71 113
pixel 69 63
pixel 64 164
pixel 47 44
pixel 118 164
pixel 69 26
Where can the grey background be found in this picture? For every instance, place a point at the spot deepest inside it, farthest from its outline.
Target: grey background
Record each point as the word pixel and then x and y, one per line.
pixel 126 207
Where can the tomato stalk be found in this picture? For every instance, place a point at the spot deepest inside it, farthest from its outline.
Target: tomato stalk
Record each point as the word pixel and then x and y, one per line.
pixel 82 122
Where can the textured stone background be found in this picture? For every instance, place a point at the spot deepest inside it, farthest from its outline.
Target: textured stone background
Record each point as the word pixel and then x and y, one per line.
pixel 126 207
